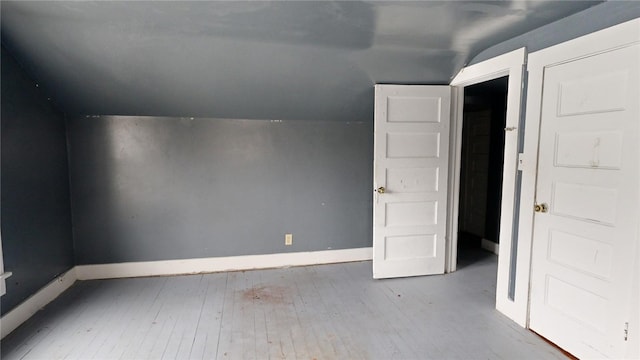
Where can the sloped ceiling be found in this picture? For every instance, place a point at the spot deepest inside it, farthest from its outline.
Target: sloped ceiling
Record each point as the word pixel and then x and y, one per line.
pixel 312 60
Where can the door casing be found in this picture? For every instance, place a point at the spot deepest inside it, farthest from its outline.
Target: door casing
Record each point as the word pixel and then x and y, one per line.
pixel 510 64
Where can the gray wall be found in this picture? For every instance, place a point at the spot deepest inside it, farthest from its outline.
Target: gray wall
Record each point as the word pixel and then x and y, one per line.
pixel 593 19
pixel 153 188
pixel 36 214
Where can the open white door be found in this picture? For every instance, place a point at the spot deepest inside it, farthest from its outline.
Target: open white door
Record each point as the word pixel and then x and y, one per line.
pixel 585 227
pixel 411 150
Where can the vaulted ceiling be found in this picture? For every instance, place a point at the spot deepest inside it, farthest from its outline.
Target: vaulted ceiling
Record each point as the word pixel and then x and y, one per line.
pixel 309 60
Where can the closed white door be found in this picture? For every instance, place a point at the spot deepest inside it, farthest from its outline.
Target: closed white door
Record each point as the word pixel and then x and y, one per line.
pixel 588 179
pixel 411 157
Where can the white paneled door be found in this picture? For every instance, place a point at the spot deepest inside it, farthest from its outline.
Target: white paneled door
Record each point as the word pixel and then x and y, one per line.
pixel 585 227
pixel 411 159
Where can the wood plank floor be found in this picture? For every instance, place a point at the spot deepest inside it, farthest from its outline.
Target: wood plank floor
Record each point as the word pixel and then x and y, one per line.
pixel 315 312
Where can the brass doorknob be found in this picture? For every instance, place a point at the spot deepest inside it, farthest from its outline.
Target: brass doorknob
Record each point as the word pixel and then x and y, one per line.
pixel 380 190
pixel 541 208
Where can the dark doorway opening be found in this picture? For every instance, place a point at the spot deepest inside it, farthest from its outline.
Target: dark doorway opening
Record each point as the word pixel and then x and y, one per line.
pixel 482 159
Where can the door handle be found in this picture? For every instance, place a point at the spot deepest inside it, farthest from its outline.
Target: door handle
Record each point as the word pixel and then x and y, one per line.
pixel 541 208
pixel 380 190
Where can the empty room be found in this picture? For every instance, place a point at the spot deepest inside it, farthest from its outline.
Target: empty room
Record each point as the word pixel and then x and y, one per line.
pixel 320 180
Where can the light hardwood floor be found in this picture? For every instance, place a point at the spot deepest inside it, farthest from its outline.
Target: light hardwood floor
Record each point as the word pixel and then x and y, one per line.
pixel 315 312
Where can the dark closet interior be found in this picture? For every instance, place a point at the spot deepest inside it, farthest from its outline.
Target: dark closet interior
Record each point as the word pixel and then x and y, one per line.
pixel 483 130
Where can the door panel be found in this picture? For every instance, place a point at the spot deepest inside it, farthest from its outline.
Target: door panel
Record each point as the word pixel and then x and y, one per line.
pixel 409 145
pixel 588 173
pixel 411 161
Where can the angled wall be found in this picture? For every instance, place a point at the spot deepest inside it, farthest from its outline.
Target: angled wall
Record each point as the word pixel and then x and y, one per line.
pixel 35 205
pixel 596 18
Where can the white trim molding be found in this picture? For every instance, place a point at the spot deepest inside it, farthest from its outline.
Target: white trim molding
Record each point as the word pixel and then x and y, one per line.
pixel 3 278
pixel 37 301
pixel 510 64
pixel 3 275
pixel 21 313
pixel 218 264
pixel 490 246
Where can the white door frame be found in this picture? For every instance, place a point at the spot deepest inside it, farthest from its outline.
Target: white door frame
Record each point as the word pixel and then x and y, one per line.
pixel 510 64
pixel 595 43
pixel 3 275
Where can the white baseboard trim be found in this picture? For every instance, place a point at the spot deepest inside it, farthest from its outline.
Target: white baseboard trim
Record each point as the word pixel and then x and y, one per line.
pixel 490 246
pixel 21 313
pixel 218 264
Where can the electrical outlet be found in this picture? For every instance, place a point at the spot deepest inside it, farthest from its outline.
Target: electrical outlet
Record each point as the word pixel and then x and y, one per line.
pixel 288 239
